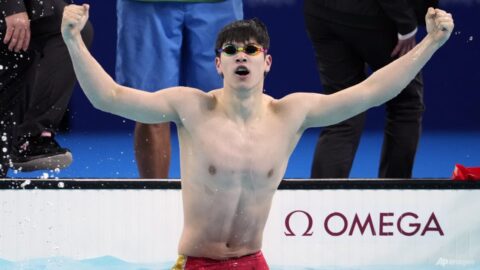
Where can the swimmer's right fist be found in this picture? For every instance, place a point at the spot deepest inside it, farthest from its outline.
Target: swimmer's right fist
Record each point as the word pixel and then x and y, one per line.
pixel 439 25
pixel 74 19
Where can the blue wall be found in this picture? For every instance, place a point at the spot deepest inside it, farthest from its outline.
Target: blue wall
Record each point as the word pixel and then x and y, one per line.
pixel 452 77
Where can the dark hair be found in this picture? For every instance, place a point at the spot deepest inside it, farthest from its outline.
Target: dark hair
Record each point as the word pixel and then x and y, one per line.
pixel 243 31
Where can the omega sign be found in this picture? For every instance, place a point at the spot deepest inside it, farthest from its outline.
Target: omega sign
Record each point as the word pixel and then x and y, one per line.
pixel 339 224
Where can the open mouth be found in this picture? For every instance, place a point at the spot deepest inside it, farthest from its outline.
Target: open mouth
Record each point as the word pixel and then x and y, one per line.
pixel 242 71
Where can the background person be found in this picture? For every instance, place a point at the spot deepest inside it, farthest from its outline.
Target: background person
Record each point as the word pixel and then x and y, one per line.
pixel 36 83
pixel 162 44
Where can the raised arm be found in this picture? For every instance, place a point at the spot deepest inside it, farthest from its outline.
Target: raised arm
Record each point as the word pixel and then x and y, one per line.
pixel 103 92
pixel 381 86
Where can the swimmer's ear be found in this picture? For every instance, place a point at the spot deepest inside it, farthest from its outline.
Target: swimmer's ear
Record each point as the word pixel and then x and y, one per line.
pixel 268 63
pixel 218 66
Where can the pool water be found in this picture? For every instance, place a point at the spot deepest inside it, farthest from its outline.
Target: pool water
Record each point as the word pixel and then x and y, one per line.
pixel 112 263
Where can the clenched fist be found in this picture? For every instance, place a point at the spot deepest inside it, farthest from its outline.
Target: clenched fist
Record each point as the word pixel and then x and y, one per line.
pixel 439 25
pixel 74 19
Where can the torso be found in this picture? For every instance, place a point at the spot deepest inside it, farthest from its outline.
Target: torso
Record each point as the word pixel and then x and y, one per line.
pixel 230 172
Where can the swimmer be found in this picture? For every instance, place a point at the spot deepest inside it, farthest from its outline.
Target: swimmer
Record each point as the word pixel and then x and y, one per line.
pixel 235 142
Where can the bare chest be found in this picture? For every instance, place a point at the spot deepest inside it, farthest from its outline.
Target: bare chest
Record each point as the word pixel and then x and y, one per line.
pixel 228 152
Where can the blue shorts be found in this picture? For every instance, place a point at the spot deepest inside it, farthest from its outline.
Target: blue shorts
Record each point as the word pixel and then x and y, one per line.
pixel 164 44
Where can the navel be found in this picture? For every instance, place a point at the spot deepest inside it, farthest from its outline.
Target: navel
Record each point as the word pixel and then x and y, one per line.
pixel 212 170
pixel 270 173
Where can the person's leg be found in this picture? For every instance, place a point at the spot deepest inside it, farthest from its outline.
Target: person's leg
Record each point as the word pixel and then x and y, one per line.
pixel 202 24
pixel 35 146
pixel 339 67
pixel 12 107
pixel 402 131
pixel 403 113
pixel 14 78
pixel 148 58
pixel 54 83
pixel 152 149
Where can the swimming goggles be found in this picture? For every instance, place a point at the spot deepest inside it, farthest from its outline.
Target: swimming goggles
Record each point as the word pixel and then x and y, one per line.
pixel 250 49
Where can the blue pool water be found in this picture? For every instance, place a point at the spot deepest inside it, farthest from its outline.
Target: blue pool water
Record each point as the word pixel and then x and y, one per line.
pixel 62 263
pixel 112 263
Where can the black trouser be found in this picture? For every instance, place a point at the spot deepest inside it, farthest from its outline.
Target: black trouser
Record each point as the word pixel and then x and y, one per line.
pixel 342 53
pixel 37 86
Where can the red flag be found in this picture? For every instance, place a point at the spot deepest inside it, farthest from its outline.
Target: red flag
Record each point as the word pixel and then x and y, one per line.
pixel 466 173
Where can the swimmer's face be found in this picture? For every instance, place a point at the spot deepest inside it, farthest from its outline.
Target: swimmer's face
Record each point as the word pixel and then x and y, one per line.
pixel 243 64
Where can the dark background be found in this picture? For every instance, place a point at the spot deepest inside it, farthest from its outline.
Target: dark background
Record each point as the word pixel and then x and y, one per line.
pixel 452 77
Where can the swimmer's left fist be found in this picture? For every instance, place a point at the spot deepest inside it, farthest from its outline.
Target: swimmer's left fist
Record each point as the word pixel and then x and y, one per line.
pixel 439 25
pixel 74 19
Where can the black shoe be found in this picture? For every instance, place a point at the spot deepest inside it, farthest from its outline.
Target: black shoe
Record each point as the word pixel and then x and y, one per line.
pixel 3 170
pixel 40 153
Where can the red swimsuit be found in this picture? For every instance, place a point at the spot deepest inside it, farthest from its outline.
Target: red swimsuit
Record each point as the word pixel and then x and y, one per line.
pixel 254 261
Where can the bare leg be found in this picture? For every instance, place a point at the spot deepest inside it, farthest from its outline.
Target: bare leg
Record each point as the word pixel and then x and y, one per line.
pixel 152 149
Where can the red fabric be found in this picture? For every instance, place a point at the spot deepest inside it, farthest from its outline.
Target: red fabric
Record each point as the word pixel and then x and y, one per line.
pixel 466 173
pixel 254 261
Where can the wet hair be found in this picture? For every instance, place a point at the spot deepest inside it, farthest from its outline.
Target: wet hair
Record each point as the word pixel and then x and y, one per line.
pixel 243 31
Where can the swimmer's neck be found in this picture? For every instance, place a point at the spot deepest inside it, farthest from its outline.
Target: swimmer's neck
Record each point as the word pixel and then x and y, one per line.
pixel 242 105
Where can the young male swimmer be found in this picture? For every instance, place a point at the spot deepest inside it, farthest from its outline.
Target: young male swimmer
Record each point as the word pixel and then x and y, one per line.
pixel 235 142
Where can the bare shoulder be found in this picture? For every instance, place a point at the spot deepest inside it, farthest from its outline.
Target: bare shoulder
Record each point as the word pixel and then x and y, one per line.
pixel 296 101
pixel 303 108
pixel 184 94
pixel 183 91
pixel 191 101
